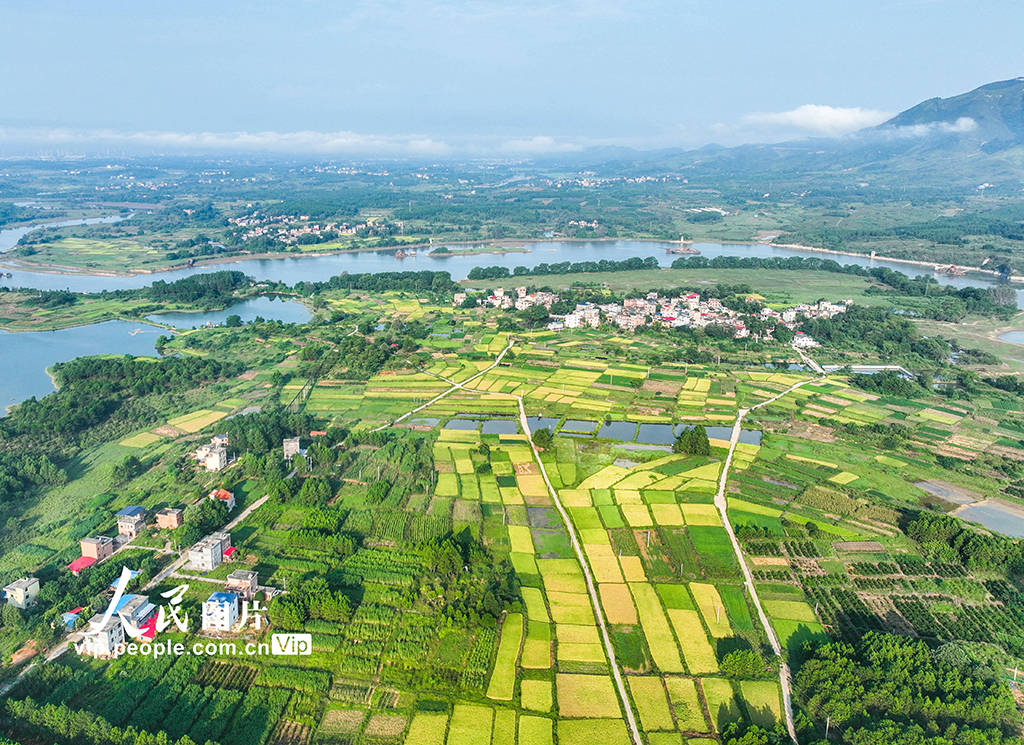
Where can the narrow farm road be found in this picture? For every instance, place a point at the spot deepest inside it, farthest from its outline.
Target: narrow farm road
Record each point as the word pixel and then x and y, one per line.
pixel 721 502
pixel 455 387
pixel 587 578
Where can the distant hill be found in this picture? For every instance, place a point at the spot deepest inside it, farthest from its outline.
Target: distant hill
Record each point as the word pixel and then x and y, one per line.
pixel 955 144
pixel 992 115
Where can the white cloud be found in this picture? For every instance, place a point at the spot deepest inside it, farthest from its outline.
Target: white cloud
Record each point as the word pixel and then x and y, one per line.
pixel 302 142
pixel 961 126
pixel 307 142
pixel 819 119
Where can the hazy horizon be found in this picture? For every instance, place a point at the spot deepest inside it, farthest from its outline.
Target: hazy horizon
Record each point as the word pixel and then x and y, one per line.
pixel 436 79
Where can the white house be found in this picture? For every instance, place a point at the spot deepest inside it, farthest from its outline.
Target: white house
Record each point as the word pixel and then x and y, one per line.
pixel 220 612
pixel 102 642
pixel 21 593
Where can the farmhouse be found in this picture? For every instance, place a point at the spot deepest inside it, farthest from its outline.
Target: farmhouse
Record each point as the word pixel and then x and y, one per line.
pixel 21 593
pixel 291 447
pixel 169 518
pixel 131 521
pixel 220 611
pixel 224 496
pixel 243 583
pixel 209 553
pixel 97 547
pixel 102 642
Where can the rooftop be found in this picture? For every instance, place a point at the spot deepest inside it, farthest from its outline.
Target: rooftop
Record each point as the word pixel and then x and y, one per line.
pixel 132 511
pixel 222 597
pixel 81 563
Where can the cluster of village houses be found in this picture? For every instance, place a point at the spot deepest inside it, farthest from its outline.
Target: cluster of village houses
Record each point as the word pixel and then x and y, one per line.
pixel 686 311
pixel 222 611
pixel 290 228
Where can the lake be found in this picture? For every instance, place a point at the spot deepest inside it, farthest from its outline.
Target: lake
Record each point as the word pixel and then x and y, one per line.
pixel 291 269
pixel 26 356
pixel 287 311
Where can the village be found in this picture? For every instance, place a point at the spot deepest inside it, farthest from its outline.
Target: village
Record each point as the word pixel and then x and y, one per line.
pixel 290 229
pixel 686 311
pixel 226 610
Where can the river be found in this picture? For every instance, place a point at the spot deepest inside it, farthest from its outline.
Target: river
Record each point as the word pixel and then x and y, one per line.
pixel 9 237
pixel 25 356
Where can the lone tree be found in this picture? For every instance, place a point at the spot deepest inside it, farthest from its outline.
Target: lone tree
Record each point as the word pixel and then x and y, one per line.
pixel 543 438
pixel 693 441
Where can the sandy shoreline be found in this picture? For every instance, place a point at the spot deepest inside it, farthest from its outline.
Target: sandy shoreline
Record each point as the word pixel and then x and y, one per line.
pixel 500 246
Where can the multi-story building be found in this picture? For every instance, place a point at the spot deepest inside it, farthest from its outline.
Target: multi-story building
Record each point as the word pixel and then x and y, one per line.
pixel 21 593
pixel 170 518
pixel 104 641
pixel 243 583
pixel 131 521
pixel 290 447
pixel 97 547
pixel 208 554
pixel 220 611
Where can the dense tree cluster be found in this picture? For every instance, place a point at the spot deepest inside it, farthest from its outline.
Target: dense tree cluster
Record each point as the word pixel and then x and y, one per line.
pixel 22 471
pixel 895 690
pixel 565 267
pixel 424 281
pixel 60 723
pixel 878 330
pixel 944 538
pixel 313 599
pixel 464 583
pixel 693 441
pixel 91 389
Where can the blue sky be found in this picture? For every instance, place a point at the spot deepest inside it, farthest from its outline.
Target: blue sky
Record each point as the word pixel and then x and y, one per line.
pixel 435 77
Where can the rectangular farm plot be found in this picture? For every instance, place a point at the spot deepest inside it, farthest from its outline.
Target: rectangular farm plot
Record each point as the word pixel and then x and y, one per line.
pixel 793 610
pixel 711 608
pixel 651 703
pixel 701 514
pixel 504 727
pixel 196 420
pixel 592 732
pixel 537 646
pixel 571 608
pixel 618 604
pixel 503 677
pixel 535 731
pixel 656 628
pixel 470 725
pixel 636 515
pixel 536 695
pixel 761 699
pixel 667 514
pixel 633 568
pixel 697 650
pixel 682 693
pixel 520 539
pixel 427 729
pixel 722 703
pixel 586 696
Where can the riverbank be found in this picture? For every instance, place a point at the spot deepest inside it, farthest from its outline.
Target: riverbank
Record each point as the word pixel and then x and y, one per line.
pixel 16 318
pixel 497 248
pixel 478 248
pixel 913 262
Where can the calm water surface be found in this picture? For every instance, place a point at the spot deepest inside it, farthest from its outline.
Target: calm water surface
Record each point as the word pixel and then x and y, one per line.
pixel 24 357
pixel 288 311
